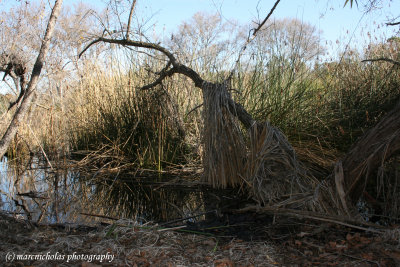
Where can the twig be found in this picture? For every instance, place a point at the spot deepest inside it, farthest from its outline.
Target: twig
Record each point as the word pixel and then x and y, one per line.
pixel 266 18
pixel 194 109
pixel 99 216
pixel 249 39
pixel 187 218
pixel 172 228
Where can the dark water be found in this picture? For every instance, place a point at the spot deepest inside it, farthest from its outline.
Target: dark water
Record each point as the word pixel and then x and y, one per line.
pixel 52 193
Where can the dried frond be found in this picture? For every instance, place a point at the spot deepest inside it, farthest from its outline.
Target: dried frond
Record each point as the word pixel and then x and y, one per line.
pixel 272 169
pixel 224 146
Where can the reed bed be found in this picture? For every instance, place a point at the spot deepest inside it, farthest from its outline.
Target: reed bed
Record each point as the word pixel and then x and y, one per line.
pixel 142 126
pixel 321 108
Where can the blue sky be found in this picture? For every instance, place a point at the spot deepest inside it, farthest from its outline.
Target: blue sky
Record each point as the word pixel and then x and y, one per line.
pixel 329 16
pixel 336 23
pixel 339 25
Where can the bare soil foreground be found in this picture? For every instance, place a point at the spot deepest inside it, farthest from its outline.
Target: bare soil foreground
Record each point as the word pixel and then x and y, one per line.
pixel 282 242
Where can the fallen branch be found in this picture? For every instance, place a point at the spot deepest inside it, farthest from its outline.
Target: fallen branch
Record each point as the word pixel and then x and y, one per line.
pixel 302 214
pixel 99 216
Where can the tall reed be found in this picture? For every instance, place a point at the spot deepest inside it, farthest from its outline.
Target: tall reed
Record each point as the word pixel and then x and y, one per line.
pixel 143 127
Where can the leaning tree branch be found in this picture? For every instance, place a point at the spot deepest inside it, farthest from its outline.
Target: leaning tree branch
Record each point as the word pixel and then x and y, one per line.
pixel 162 75
pixel 393 23
pixel 125 42
pixel 176 66
pixel 394 62
pixel 173 66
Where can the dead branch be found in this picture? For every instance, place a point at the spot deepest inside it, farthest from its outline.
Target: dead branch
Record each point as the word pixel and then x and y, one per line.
pixel 393 23
pixel 166 72
pixel 266 18
pixel 99 216
pixel 249 39
pixel 128 27
pixel 394 62
pixel 125 42
pixel 302 214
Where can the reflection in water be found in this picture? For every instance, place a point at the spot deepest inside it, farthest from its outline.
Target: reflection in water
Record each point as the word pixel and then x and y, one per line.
pixel 52 193
pixel 37 191
pixel 149 198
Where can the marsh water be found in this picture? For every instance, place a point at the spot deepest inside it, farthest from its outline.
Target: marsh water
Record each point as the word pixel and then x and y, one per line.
pixel 55 192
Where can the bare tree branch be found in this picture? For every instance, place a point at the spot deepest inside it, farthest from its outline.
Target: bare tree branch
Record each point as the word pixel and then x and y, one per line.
pixel 266 18
pixel 176 66
pixel 128 27
pixel 393 23
pixel 249 39
pixel 126 42
pixel 394 62
pixel 163 74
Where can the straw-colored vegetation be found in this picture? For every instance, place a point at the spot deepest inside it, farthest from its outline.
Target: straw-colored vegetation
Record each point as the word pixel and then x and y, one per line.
pixel 212 135
pixel 321 106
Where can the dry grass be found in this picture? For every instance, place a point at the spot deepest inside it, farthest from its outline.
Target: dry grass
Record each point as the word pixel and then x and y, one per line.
pixel 132 244
pixel 143 127
pixel 272 169
pixel 224 145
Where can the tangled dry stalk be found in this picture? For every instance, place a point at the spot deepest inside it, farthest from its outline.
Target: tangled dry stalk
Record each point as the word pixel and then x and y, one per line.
pixel 260 157
pixel 224 145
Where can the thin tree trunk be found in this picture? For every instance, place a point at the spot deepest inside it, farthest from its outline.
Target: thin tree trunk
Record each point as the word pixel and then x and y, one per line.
pixel 23 108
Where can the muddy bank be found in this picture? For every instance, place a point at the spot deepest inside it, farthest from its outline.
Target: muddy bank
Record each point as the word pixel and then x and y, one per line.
pixel 284 242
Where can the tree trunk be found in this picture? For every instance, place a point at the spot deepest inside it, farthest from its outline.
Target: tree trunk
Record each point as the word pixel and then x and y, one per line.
pixel 23 108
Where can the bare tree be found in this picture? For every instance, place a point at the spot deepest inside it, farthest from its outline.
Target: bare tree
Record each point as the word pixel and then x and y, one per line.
pixel 204 42
pixel 27 93
pixel 290 38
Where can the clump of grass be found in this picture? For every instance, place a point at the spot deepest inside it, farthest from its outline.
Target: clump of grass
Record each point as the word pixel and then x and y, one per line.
pixel 324 108
pixel 356 95
pixel 142 127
